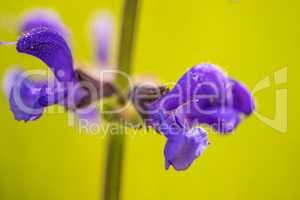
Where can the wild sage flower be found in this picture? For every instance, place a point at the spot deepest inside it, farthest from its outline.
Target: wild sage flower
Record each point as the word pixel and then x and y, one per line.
pixel 46 38
pixel 203 95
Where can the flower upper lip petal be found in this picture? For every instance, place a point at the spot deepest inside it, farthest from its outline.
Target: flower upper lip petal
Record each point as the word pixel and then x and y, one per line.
pixel 43 18
pixel 52 49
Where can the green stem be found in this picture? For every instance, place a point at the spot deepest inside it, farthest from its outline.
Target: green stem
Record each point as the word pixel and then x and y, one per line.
pixel 114 162
pixel 116 141
pixel 126 42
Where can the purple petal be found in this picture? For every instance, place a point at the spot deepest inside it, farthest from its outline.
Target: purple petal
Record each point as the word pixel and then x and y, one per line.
pixel 39 18
pixel 222 119
pixel 183 145
pixel 166 123
pixel 52 49
pixel 102 35
pixel 201 81
pixel 28 98
pixel 182 149
pixel 24 100
pixel 242 98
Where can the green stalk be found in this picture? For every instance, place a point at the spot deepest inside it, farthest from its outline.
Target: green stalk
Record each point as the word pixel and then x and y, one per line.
pixel 113 168
pixel 126 43
pixel 116 141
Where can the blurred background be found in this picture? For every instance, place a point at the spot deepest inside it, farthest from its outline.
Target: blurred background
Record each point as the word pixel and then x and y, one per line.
pixel 250 39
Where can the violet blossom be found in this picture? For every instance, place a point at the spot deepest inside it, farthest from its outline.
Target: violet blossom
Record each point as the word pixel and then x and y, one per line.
pixel 45 37
pixel 203 95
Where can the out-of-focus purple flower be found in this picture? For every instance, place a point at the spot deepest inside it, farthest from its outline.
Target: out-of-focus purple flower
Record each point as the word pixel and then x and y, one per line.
pixel 43 18
pixel 203 95
pixel 102 30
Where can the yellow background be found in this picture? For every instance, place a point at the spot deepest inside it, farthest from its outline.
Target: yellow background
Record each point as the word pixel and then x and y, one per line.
pixel 250 39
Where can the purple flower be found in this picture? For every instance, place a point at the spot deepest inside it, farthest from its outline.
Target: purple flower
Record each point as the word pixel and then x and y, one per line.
pixel 44 38
pixel 203 95
pixel 51 48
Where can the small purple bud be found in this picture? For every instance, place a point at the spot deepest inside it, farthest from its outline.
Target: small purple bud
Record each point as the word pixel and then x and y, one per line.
pixel 102 27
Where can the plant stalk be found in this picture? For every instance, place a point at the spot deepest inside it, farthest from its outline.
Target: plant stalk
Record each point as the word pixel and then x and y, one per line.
pixel 116 141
